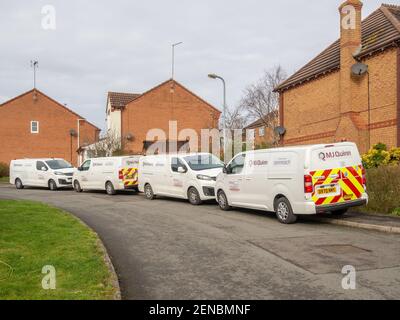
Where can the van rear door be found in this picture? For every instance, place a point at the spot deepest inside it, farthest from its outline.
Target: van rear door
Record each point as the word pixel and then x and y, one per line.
pixel 128 173
pixel 337 174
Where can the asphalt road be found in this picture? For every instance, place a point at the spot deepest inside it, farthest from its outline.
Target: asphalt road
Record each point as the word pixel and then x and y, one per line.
pixel 168 249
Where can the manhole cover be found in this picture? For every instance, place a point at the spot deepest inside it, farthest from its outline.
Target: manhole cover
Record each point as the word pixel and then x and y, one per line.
pixel 343 249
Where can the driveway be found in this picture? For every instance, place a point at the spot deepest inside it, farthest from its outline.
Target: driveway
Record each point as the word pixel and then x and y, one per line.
pixel 168 249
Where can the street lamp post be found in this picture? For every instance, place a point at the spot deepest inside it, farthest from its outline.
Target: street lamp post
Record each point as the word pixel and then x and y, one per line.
pixel 214 76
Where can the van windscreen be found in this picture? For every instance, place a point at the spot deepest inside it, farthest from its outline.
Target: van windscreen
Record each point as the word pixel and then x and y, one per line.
pixel 203 162
pixel 58 164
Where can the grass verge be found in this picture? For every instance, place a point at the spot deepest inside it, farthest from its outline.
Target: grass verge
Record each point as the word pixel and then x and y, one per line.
pixel 4 179
pixel 34 235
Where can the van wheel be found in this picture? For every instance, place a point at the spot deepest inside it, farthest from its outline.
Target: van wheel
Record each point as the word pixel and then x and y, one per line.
pixel 148 192
pixel 339 212
pixel 77 186
pixel 223 201
pixel 194 196
pixel 284 211
pixel 18 184
pixel 110 189
pixel 52 185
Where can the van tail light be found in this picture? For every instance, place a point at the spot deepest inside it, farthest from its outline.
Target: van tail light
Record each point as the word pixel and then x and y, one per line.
pixel 364 177
pixel 120 175
pixel 308 184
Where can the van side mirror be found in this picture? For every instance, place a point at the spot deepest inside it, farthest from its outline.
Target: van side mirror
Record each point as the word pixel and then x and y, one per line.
pixel 79 168
pixel 225 169
pixel 43 169
pixel 181 170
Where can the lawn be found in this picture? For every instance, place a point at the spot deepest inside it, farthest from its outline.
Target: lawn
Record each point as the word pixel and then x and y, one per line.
pixel 34 235
pixel 4 179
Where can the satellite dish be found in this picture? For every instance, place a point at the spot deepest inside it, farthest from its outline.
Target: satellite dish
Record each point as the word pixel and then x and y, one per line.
pixel 280 131
pixel 359 69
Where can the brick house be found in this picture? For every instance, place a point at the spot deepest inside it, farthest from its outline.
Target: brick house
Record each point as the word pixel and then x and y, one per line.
pixel 131 116
pixel 33 125
pixel 263 133
pixel 324 102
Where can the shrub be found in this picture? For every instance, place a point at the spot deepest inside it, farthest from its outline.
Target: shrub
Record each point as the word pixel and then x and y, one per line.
pixel 4 170
pixel 383 189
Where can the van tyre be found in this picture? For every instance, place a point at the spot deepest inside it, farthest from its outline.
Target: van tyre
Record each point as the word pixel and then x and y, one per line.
pixel 18 184
pixel 339 213
pixel 77 186
pixel 52 185
pixel 148 192
pixel 223 201
pixel 194 196
pixel 284 211
pixel 110 189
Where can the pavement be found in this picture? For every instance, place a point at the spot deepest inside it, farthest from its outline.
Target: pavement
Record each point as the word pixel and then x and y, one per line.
pixel 377 222
pixel 168 249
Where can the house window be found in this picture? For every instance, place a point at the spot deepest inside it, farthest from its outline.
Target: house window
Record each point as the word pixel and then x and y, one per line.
pixel 34 126
pixel 261 131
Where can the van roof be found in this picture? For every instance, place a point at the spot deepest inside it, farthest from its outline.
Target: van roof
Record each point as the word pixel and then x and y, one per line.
pixel 179 154
pixel 115 158
pixel 306 147
pixel 38 159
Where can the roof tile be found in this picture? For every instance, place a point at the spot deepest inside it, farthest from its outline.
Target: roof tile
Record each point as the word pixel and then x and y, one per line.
pixel 379 29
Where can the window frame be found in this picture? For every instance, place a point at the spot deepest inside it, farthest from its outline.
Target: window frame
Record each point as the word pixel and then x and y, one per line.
pixel 261 131
pixel 37 127
pixel 230 168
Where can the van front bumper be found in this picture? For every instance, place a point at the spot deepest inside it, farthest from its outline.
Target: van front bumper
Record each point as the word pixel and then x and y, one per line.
pixel 65 182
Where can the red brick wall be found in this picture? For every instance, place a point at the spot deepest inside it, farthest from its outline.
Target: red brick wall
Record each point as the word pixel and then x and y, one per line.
pixel 155 108
pixel 55 123
pixel 312 111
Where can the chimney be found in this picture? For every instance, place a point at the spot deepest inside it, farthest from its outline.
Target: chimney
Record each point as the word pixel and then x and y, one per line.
pixel 350 43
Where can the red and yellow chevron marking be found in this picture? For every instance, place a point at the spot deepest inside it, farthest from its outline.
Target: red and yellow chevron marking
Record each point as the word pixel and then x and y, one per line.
pixel 349 180
pixel 130 176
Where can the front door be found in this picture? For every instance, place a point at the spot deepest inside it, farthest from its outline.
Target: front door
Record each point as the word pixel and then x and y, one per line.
pixel 84 174
pixel 235 180
pixel 40 176
pixel 178 176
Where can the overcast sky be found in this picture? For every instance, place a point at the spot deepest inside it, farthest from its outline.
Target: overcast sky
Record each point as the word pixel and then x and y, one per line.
pixel 100 46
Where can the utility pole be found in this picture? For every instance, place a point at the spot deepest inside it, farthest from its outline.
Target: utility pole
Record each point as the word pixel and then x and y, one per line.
pixel 34 65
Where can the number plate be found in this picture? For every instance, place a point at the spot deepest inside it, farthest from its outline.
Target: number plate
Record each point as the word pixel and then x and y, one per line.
pixel 327 190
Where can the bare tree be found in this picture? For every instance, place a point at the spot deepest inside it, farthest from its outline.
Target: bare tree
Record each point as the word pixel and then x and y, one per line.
pixel 109 145
pixel 259 99
pixel 261 103
pixel 235 118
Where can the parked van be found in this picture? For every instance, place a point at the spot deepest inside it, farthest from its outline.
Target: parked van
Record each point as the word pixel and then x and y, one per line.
pixel 295 180
pixel 110 174
pixel 185 176
pixel 49 173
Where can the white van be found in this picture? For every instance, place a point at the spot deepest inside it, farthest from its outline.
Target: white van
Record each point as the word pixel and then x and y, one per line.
pixel 49 173
pixel 185 176
pixel 110 174
pixel 295 180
